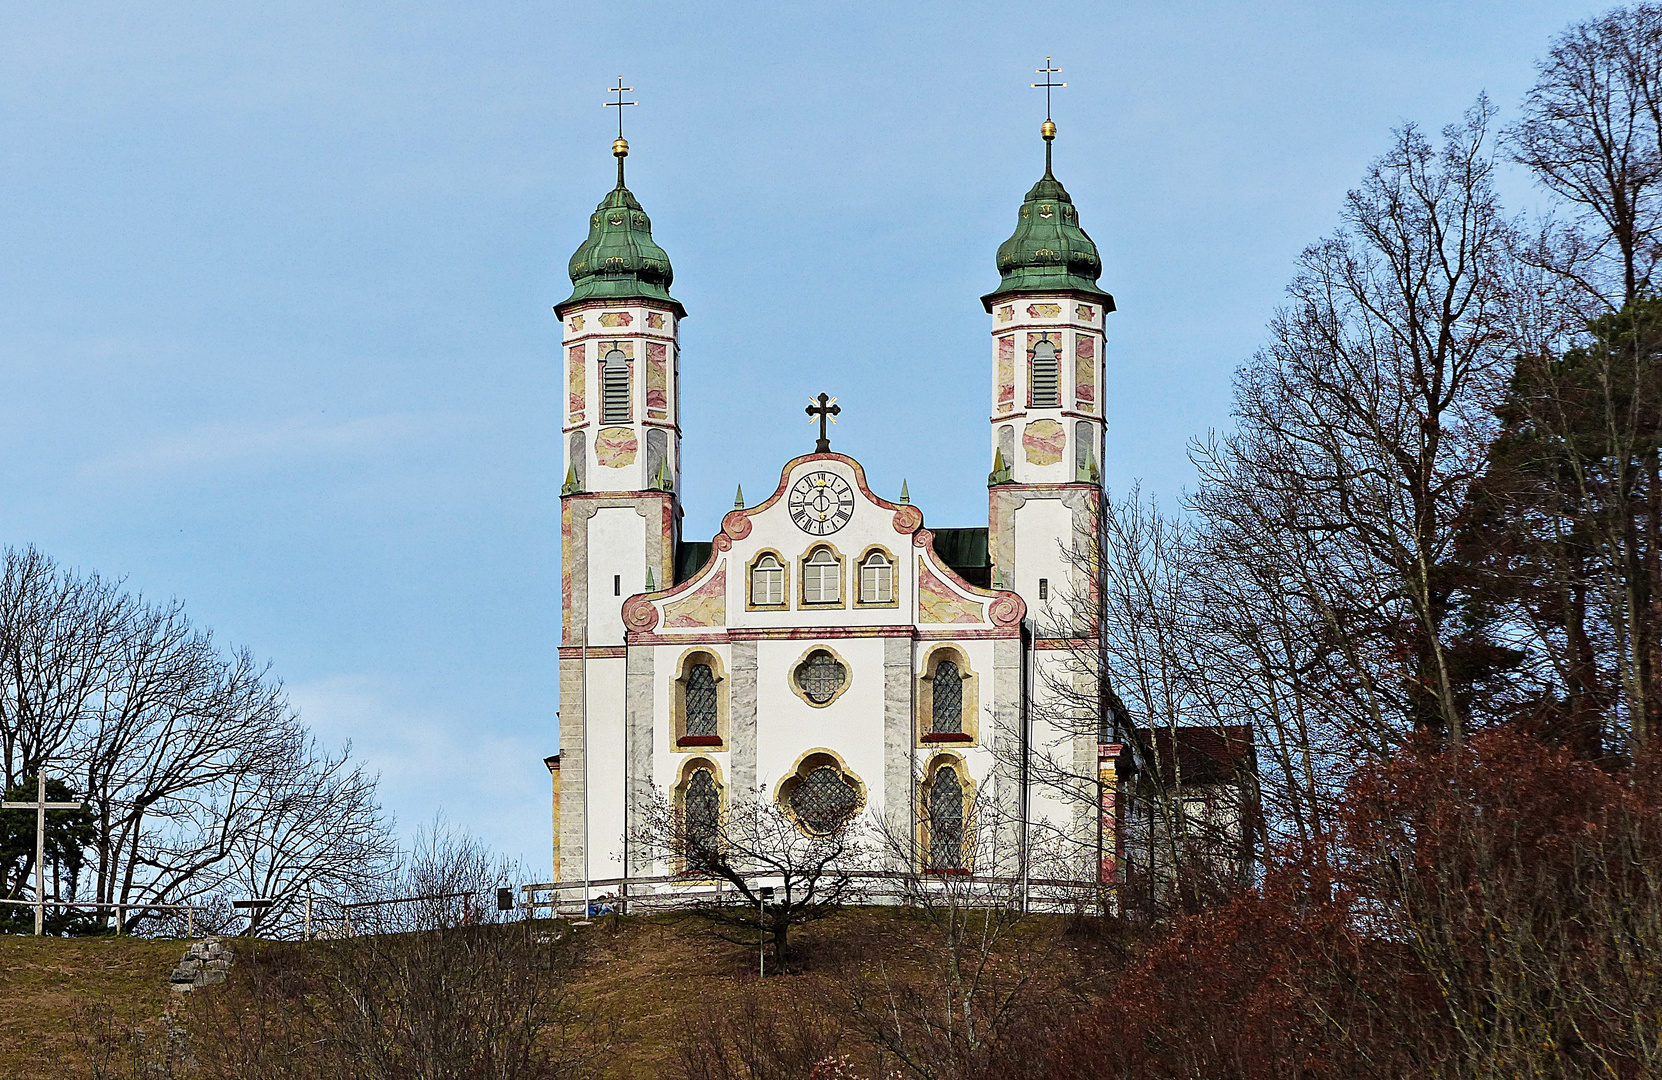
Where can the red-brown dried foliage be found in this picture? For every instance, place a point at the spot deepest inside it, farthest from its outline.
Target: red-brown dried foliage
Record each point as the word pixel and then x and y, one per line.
pixel 1493 911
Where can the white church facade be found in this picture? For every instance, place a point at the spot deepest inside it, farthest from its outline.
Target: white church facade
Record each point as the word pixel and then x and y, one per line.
pixel 828 648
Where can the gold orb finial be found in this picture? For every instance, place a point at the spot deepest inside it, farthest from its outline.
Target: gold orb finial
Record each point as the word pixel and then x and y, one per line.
pixel 620 148
pixel 1048 130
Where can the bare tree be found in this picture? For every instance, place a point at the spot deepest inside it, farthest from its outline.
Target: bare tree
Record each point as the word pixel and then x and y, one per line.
pixel 446 878
pixel 1363 425
pixel 1592 133
pixel 468 1003
pixel 1312 589
pixel 201 777
pixel 751 843
pixel 1189 655
pixel 994 972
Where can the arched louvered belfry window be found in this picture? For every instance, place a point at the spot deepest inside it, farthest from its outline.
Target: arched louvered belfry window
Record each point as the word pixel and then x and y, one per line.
pixel 948 698
pixel 1046 388
pixel 702 806
pixel 701 701
pixel 946 820
pixel 614 388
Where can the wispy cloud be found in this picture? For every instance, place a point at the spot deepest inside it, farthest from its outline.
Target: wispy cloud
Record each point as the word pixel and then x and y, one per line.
pixel 491 782
pixel 229 444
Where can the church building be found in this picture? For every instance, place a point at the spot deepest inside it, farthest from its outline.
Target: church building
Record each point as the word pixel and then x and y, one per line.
pixel 829 648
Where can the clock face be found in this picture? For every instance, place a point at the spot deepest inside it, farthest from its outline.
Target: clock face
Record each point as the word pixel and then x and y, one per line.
pixel 821 503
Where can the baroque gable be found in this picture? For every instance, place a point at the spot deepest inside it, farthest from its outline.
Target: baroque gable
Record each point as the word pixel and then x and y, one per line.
pixel 819 541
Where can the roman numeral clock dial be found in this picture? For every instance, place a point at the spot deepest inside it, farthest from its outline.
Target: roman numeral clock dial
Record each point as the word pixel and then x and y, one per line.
pixel 821 503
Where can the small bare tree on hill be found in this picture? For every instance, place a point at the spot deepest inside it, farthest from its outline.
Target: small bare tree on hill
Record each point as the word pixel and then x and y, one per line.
pixel 752 842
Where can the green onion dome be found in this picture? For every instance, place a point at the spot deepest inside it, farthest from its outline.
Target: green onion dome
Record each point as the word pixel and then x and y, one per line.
pixel 1048 252
pixel 620 260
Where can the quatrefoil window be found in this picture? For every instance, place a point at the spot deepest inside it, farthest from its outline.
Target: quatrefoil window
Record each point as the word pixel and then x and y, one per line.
pixel 821 677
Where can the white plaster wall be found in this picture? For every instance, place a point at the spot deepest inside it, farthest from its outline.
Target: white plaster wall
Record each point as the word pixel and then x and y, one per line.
pixel 1042 526
pixel 606 768
pixel 1061 819
pixel 617 546
pixel 851 726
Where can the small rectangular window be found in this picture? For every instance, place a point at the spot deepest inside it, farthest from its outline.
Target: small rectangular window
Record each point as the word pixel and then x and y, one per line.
pixel 876 580
pixel 1044 588
pixel 821 579
pixel 767 585
pixel 617 584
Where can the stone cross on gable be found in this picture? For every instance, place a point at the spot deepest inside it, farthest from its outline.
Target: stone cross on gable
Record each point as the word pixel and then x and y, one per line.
pixel 40 806
pixel 824 407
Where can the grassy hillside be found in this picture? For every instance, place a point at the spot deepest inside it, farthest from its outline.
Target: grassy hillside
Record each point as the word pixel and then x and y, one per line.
pixel 644 980
pixel 45 982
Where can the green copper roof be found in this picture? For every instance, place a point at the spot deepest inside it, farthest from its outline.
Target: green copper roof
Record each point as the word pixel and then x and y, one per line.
pixel 1048 252
pixel 620 260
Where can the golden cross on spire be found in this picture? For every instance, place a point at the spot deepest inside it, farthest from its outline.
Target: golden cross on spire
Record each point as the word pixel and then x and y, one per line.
pixel 1047 71
pixel 620 90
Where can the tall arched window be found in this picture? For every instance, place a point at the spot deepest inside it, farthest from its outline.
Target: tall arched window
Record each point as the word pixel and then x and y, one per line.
pixel 946 820
pixel 701 804
pixel 948 699
pixel 821 578
pixel 701 701
pixel 1046 385
pixel 876 579
pixel 614 388
pixel 767 582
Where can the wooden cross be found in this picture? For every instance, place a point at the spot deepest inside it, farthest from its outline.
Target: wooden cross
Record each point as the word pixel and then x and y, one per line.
pixel 620 90
pixel 824 407
pixel 1047 71
pixel 40 806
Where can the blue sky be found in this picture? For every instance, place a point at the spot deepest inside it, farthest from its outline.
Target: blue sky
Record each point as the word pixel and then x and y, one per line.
pixel 276 278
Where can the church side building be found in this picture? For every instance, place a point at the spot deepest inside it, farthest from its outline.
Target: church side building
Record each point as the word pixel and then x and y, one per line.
pixel 827 647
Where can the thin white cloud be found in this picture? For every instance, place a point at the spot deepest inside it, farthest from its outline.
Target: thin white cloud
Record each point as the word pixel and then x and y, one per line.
pixel 294 439
pixel 493 784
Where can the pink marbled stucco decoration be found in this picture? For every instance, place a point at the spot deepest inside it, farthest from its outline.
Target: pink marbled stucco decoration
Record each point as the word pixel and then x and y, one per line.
pixel 657 380
pixel 1084 372
pixel 1044 441
pixel 939 604
pixel 705 606
pixel 615 447
pixel 579 379
pixel 1007 371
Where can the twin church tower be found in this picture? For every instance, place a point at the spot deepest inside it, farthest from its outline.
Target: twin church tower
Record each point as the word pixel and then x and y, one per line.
pixel 828 651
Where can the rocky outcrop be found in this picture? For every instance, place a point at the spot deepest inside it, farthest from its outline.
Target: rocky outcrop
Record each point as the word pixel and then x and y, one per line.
pixel 204 964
